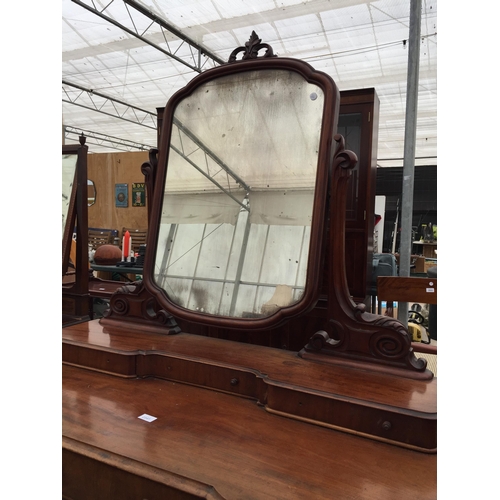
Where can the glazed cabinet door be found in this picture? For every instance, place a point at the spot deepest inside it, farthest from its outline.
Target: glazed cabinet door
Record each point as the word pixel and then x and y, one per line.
pixel 358 123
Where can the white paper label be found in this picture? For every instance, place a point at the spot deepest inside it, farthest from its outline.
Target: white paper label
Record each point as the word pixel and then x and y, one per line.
pixel 147 418
pixel 429 290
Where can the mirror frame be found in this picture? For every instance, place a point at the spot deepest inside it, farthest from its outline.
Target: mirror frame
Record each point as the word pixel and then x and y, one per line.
pixel 78 202
pixel 90 182
pixel 317 240
pixel 71 149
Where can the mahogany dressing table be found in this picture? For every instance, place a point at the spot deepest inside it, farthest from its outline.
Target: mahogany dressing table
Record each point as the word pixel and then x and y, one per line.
pixel 249 193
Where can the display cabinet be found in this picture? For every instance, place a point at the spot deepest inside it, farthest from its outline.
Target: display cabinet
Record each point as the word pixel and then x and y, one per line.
pixel 358 123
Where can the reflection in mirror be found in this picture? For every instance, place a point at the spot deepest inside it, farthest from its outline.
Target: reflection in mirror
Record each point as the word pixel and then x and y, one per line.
pixel 350 125
pixel 237 208
pixel 91 192
pixel 68 181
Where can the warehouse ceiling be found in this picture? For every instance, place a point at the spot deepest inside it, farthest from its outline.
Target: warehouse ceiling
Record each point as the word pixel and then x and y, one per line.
pixel 122 59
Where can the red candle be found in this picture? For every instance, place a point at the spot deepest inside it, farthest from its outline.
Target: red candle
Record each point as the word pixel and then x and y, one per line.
pixel 126 245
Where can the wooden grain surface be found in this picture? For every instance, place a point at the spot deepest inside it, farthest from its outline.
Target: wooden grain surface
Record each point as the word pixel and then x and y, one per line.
pixel 277 365
pixel 106 170
pixel 232 444
pixel 403 289
pixel 103 288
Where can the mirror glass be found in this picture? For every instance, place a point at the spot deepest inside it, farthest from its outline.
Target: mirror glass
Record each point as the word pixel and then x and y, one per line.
pixel 237 207
pixel 91 193
pixel 69 162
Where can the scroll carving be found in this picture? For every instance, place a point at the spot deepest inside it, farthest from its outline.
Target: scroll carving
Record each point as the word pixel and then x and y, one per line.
pixel 384 341
pixel 251 49
pixel 135 302
pixel 350 334
pixel 343 158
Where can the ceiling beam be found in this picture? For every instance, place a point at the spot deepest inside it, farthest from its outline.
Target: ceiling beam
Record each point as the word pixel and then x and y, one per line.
pixel 198 55
pixel 111 107
pixel 101 103
pixel 208 153
pixel 104 139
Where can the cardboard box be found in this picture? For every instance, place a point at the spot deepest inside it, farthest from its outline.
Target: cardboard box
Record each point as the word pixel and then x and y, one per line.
pixel 419 264
pixel 429 263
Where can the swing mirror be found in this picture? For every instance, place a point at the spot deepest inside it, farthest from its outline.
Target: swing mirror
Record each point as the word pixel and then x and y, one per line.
pixel 241 200
pixel 69 184
pixel 91 193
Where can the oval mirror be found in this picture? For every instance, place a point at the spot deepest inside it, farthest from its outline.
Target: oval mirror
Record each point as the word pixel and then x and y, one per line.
pixel 243 199
pixel 69 162
pixel 69 188
pixel 91 193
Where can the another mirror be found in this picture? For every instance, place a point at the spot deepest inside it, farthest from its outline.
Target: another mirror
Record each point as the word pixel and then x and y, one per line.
pixel 91 193
pixel 75 283
pixel 242 204
pixel 69 184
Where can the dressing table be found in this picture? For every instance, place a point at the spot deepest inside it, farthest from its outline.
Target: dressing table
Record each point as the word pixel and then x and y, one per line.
pixel 173 394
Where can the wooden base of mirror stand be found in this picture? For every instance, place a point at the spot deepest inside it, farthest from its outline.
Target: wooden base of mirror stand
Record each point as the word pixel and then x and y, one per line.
pixel 378 406
pixel 75 308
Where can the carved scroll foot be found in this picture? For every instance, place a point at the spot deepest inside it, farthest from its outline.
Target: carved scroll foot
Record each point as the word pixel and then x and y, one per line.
pixel 385 347
pixel 134 303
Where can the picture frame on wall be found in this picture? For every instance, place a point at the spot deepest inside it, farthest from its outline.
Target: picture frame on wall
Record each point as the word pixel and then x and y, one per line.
pixel 121 195
pixel 138 194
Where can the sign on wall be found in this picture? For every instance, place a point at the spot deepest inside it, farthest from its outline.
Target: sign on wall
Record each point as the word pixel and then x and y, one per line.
pixel 138 194
pixel 121 195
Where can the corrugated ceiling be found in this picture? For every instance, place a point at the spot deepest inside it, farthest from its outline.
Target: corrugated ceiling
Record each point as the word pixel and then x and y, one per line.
pixel 120 62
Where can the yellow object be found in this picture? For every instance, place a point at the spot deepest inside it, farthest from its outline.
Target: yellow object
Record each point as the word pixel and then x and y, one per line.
pixel 415 332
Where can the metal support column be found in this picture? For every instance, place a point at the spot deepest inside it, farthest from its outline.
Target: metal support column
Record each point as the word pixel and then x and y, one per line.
pixel 409 148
